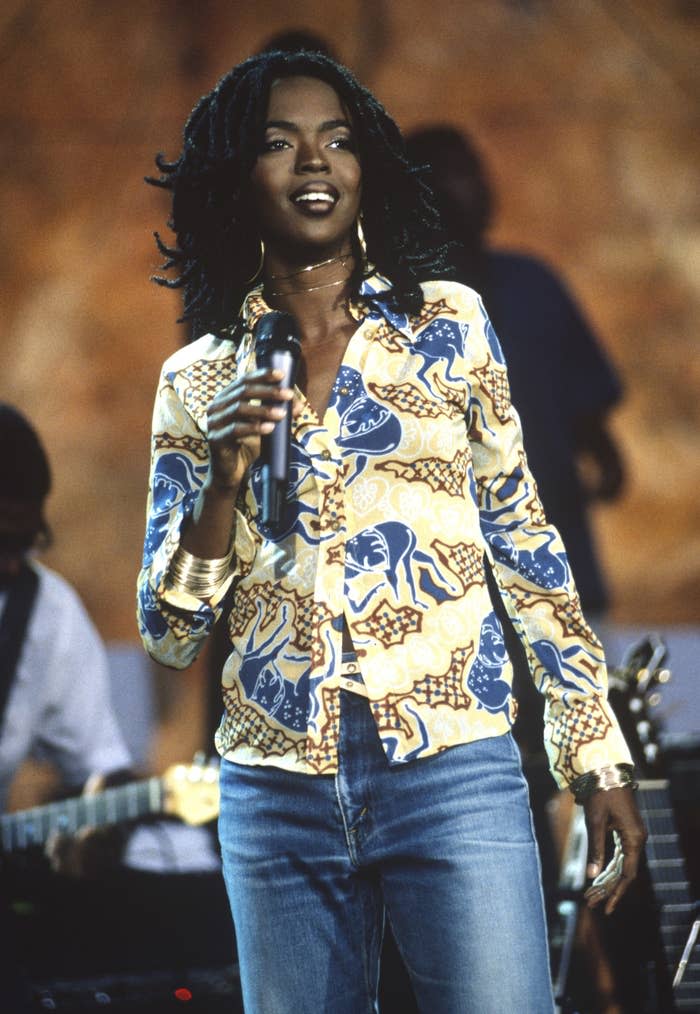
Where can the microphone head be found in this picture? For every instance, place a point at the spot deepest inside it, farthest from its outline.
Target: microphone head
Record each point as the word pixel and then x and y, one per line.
pixel 276 332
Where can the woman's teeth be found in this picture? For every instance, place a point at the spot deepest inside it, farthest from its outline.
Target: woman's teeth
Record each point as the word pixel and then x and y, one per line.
pixel 311 197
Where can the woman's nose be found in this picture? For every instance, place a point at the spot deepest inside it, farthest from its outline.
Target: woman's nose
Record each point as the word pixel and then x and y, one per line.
pixel 311 157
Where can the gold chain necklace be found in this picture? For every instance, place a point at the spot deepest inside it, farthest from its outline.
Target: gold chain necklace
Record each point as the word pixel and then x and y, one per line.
pixel 312 288
pixel 311 267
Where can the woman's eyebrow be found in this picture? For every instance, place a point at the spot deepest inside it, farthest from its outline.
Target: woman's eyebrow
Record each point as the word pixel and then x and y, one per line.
pixel 334 124
pixel 288 125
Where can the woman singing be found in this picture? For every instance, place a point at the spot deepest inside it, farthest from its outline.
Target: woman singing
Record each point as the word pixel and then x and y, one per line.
pixel 368 768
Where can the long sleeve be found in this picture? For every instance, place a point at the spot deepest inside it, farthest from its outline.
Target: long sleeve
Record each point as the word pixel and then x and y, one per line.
pixel 173 624
pixel 531 569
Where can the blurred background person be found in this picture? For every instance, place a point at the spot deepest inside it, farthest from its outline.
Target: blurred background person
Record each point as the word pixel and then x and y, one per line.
pixel 562 383
pixel 296 40
pixel 56 707
pixel 55 703
pixel 563 387
pixel 55 685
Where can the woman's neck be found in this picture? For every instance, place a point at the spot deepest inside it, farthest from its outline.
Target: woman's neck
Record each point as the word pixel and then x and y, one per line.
pixel 298 275
pixel 316 293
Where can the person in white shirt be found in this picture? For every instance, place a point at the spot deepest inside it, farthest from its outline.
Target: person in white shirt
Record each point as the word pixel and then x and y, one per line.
pixel 57 703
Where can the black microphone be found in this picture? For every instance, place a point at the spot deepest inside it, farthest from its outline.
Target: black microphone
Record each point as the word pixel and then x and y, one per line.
pixel 277 347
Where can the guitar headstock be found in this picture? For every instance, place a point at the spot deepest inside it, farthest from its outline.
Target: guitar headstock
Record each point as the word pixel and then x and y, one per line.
pixel 633 690
pixel 191 791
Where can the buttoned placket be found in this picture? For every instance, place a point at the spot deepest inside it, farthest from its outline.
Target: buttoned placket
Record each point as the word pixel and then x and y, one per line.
pixel 321 445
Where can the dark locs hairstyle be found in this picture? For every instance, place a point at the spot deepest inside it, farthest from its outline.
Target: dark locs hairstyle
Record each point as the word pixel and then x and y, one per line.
pixel 458 177
pixel 463 195
pixel 217 242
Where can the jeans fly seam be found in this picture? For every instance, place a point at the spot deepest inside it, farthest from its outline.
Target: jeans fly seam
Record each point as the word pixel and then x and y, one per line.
pixel 349 841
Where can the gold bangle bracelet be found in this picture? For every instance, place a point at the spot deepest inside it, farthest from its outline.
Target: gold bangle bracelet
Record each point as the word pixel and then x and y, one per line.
pixel 197 576
pixel 610 776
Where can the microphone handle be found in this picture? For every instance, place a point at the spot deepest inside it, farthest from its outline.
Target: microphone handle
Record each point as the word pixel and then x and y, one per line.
pixel 273 497
pixel 275 446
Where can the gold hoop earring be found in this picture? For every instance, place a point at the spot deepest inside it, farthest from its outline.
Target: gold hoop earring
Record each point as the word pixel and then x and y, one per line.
pixel 361 240
pixel 250 280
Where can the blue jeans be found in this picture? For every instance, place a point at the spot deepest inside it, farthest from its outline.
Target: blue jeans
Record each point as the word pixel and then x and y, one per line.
pixel 444 846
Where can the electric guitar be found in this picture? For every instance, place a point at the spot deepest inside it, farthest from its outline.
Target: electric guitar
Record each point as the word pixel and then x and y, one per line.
pixel 633 689
pixel 187 791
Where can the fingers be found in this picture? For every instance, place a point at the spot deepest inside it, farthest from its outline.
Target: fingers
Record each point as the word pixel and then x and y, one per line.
pixel 632 839
pixel 596 825
pixel 607 882
pixel 64 852
pixel 237 417
pixel 252 404
pixel 614 809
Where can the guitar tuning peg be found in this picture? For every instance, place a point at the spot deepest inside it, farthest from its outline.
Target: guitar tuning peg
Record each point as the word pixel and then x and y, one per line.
pixel 663 676
pixel 651 753
pixel 643 731
pixel 643 677
pixel 636 704
pixel 654 700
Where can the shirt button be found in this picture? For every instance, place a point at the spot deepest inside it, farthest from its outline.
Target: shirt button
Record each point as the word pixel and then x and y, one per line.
pixel 326 455
pixel 345 390
pixel 336 526
pixel 349 685
pixel 351 667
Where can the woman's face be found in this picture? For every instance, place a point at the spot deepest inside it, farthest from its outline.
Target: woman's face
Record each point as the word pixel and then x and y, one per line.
pixel 306 183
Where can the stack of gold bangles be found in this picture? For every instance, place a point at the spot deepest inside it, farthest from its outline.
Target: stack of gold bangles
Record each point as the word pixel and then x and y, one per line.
pixel 611 776
pixel 199 577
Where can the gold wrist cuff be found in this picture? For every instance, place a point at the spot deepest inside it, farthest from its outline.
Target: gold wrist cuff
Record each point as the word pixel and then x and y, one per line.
pixel 196 576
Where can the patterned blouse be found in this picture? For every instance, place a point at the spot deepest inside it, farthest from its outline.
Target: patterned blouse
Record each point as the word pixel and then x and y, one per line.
pixel 416 470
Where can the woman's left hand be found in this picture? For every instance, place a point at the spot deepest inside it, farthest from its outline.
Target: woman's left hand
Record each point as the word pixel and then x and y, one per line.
pixel 615 810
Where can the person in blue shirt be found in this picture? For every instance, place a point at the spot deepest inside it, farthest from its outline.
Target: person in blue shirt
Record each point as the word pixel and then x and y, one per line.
pixel 562 382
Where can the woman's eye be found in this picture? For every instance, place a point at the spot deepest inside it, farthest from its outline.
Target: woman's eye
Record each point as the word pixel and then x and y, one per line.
pixel 346 143
pixel 275 144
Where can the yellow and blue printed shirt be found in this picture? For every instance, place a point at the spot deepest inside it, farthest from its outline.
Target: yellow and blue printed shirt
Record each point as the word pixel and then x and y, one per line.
pixel 416 470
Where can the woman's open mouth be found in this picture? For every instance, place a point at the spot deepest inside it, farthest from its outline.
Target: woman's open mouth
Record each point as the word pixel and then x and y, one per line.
pixel 315 198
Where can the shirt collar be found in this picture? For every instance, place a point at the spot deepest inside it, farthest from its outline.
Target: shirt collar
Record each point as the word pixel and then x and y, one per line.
pixel 375 297
pixel 376 291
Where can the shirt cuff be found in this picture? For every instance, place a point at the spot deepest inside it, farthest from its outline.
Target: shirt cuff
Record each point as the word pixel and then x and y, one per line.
pixel 581 736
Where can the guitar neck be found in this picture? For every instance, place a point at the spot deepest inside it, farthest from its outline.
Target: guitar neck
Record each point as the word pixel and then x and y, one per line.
pixel 112 806
pixel 669 881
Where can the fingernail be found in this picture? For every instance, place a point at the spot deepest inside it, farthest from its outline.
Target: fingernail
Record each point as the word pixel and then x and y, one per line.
pixel 267 427
pixel 593 869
